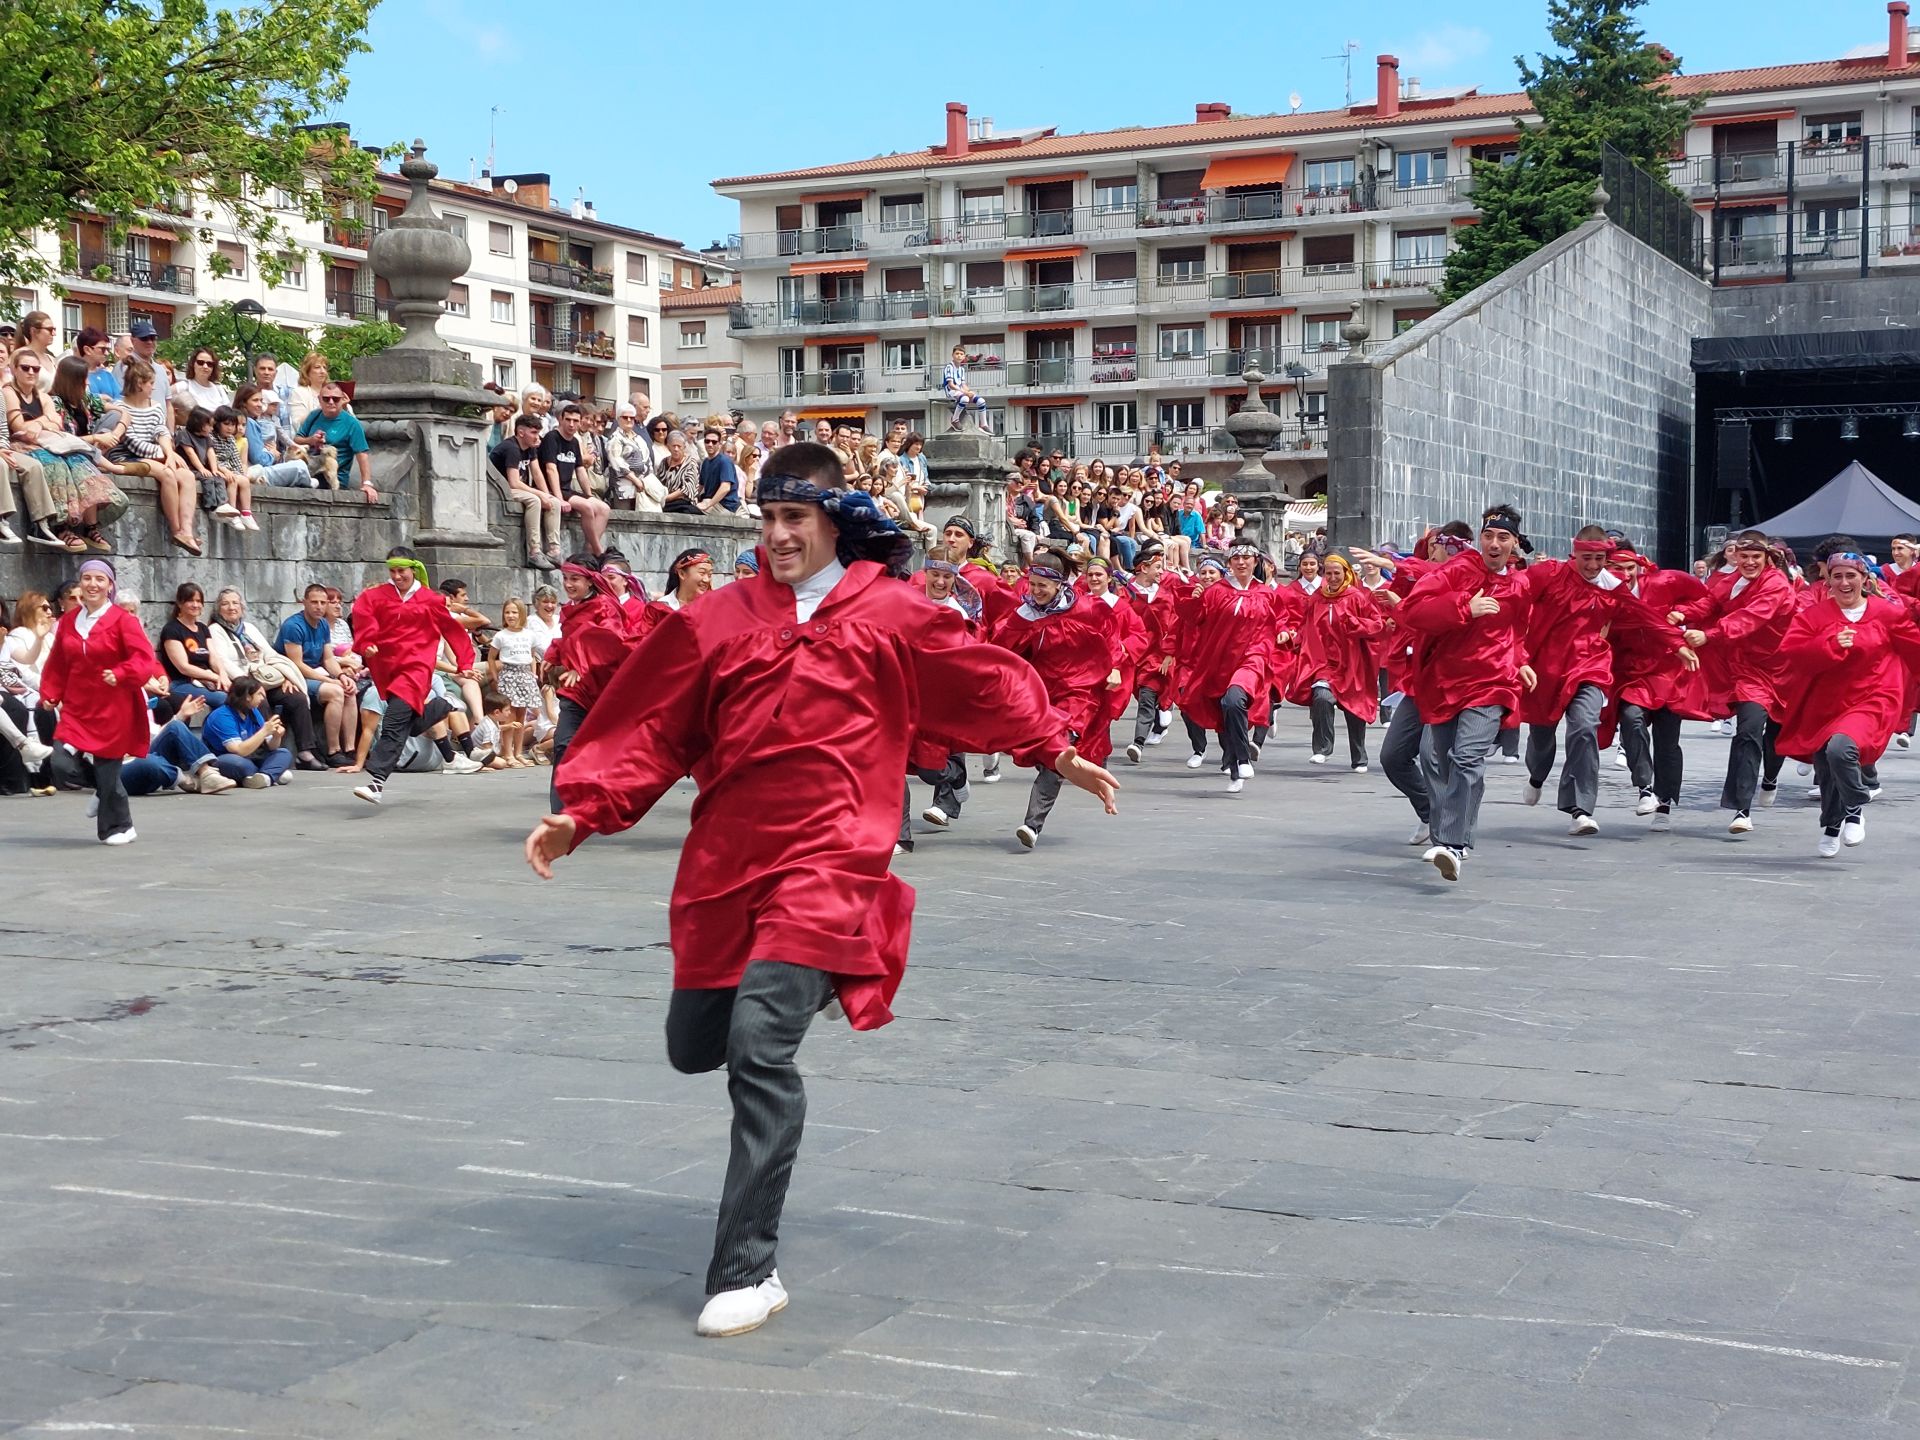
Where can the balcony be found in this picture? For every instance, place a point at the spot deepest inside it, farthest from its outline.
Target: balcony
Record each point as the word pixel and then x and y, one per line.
pixel 564 340
pixel 114 267
pixel 808 315
pixel 1798 165
pixel 845 382
pixel 560 275
pixel 344 305
pixel 1301 439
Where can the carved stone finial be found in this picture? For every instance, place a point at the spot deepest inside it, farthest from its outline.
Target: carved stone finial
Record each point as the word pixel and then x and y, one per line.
pixel 1355 331
pixel 1601 199
pixel 419 257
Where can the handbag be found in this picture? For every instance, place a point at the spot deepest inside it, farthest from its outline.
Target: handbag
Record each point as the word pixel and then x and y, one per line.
pixel 60 443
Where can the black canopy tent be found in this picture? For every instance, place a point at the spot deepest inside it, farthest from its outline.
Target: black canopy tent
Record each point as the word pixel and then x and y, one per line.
pixel 1855 502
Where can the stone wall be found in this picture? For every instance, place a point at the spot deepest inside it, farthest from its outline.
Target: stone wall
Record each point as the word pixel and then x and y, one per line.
pixel 1878 302
pixel 1563 387
pixel 337 538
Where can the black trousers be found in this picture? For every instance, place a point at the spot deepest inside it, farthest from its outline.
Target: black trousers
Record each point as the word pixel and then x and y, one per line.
pixel 397 726
pixel 1322 710
pixel 565 726
pixel 1400 757
pixel 88 772
pixel 1196 737
pixel 755 1031
pixel 1236 739
pixel 1751 758
pixel 297 713
pixel 1651 739
pixel 1146 714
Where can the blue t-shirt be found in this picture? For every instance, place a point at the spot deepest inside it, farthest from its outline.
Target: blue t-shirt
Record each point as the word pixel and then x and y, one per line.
pixel 312 637
pixel 1192 525
pixel 105 383
pixel 260 437
pixel 227 723
pixel 344 432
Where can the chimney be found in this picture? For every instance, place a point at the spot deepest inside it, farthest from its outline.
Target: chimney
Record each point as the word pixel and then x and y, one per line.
pixel 1211 112
pixel 1412 91
pixel 1387 92
pixel 956 128
pixel 1897 35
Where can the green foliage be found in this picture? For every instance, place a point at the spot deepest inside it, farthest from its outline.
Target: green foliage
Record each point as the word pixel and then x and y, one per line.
pixel 215 328
pixel 1604 86
pixel 125 108
pixel 343 344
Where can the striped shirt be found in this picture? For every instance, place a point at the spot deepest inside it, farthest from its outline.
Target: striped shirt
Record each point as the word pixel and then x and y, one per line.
pixel 145 425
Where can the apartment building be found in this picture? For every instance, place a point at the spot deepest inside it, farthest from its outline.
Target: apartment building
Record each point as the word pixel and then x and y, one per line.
pixel 554 295
pixel 1109 288
pixel 700 354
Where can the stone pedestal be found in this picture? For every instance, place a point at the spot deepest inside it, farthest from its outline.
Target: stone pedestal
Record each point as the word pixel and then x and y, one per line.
pixel 967 475
pixel 1262 499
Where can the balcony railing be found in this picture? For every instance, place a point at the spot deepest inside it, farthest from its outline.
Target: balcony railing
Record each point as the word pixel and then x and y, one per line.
pixel 566 340
pixel 565 276
pixel 1306 437
pixel 1813 164
pixel 116 267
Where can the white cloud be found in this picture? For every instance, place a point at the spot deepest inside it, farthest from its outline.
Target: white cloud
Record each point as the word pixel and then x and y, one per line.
pixel 1439 51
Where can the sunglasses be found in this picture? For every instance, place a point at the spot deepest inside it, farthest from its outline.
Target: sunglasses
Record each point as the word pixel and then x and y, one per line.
pixel 331 399
pixel 26 369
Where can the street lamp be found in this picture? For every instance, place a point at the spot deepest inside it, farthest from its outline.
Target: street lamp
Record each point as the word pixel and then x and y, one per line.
pixel 248 312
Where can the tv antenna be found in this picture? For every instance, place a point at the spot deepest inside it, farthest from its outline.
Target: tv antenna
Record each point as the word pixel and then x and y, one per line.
pixel 493 117
pixel 1345 57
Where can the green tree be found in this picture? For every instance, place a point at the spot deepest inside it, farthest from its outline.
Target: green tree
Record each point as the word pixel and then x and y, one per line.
pixel 125 109
pixel 343 344
pixel 214 329
pixel 1606 85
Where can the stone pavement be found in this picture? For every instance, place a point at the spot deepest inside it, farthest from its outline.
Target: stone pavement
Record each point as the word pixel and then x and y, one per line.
pixel 1226 1119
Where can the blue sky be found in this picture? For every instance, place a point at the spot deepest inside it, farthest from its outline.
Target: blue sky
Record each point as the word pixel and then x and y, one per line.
pixel 818 86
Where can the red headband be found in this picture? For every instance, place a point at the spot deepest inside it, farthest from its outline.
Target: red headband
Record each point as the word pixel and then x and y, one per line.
pixel 1592 547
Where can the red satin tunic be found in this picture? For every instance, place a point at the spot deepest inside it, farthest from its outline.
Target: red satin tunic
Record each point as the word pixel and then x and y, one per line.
pixel 106 721
pixel 401 639
pixel 1861 691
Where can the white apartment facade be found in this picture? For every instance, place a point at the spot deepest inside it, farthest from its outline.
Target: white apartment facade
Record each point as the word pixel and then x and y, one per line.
pixel 554 295
pixel 1110 288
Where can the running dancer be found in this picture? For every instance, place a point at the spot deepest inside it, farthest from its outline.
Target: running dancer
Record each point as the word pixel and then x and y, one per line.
pixel 1155 598
pixel 398 628
pixel 1228 686
pixel 1652 694
pixel 1338 670
pixel 807 680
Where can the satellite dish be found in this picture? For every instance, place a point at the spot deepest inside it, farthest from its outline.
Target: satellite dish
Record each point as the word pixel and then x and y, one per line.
pixel 512 187
pixel 1293 101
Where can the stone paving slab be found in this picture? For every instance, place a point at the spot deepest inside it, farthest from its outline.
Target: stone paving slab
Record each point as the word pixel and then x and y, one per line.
pixel 1223 1119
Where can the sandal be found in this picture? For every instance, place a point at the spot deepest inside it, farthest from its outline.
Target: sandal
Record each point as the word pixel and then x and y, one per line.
pixel 94 540
pixel 72 541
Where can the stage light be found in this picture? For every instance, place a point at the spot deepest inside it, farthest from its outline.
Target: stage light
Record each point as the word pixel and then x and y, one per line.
pixel 1783 431
pixel 1850 428
pixel 1911 430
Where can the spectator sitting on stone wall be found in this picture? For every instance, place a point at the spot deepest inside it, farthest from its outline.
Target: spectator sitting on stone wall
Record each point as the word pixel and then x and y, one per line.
pixel 516 461
pixel 560 459
pixel 333 425
pixel 266 461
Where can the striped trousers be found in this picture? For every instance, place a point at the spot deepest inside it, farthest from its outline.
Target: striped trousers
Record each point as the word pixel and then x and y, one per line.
pixel 755 1031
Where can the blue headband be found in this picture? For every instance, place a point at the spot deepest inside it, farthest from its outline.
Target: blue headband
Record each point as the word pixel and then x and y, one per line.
pixel 748 559
pixel 1849 557
pixel 789 488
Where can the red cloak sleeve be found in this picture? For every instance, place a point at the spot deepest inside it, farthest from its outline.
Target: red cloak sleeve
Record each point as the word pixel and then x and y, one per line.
pixel 106 721
pixel 405 639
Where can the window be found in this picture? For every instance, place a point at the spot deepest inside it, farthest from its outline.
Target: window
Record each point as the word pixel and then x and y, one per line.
pixel 1833 129
pixel 693 334
pixel 1186 262
pixel 503 374
pixel 693 392
pixel 1182 414
pixel 1322 253
pixel 381 219
pixel 1322 332
pixel 666 277
pixel 905 280
pixel 457 301
pixel 293 271
pixel 1420 167
pixel 455 223
pixel 978 206
pixel 1115 267
pixel 986 277
pixel 499 238
pixel 1182 340
pixel 1313 407
pixel 1506 152
pixel 503 307
pixel 1828 221
pixel 235 257
pixel 636 329
pixel 1415 248
pixel 903 212
pixel 1405 320
pixel 1116 417
pixel 636 268
pixel 1180 187
pixel 1113 196
pixel 989 352
pixel 1329 177
pixel 904 357
pixel 1051 422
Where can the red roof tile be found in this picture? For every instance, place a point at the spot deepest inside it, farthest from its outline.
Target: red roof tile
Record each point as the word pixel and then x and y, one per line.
pixel 708 297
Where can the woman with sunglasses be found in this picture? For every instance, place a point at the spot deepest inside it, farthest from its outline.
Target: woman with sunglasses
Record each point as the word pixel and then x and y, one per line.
pixel 202 382
pixel 36 334
pixel 80 493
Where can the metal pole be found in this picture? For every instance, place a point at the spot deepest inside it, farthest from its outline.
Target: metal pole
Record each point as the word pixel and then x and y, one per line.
pixel 1866 198
pixel 1792 149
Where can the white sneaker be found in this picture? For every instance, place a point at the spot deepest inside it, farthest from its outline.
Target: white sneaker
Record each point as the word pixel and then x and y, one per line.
pixel 1156 737
pixel 1245 772
pixel 1829 845
pixel 256 781
pixel 1801 767
pixel 1359 769
pixel 1724 727
pixel 1194 762
pixel 1766 795
pixel 368 793
pixel 1874 793
pixel 1853 832
pixel 1506 759
pixel 1027 836
pixel 735 1312
pixel 1813 792
pixel 1236 785
pixel 1253 752
pixel 248 523
pixel 1646 804
pixel 226 510
pixel 1662 818
pixel 1584 825
pixel 1165 718
pixel 934 815
pixel 898 848
pixel 463 765
pixel 123 837
pixel 1620 759
pixel 34 752
pixel 1741 824
pixel 1902 741
pixel 1422 835
pixel 1530 795
pixel 1133 754
pixel 212 782
pixel 1316 759
pixel 93 806
pixel 1446 860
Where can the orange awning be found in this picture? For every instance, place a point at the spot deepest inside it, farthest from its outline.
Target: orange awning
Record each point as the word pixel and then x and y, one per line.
pixel 1048 399
pixel 1270 169
pixel 1749 117
pixel 1470 142
pixel 828 267
pixel 842 413
pixel 1057 178
pixel 1745 202
pixel 1272 382
pixel 1052 252
pixel 1264 237
pixel 1046 325
pixel 1252 314
pixel 825 197
pixel 1466 219
pixel 840 339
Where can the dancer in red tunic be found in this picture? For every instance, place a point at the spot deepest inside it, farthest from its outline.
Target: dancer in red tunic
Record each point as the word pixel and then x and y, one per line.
pixel 1846 662
pixel 398 627
pixel 95 673
pixel 1228 686
pixel 943 584
pixel 597 632
pixel 1652 690
pixel 1737 628
pixel 1129 633
pixel 1338 670
pixel 1155 597
pixel 1071 640
pixel 807 680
